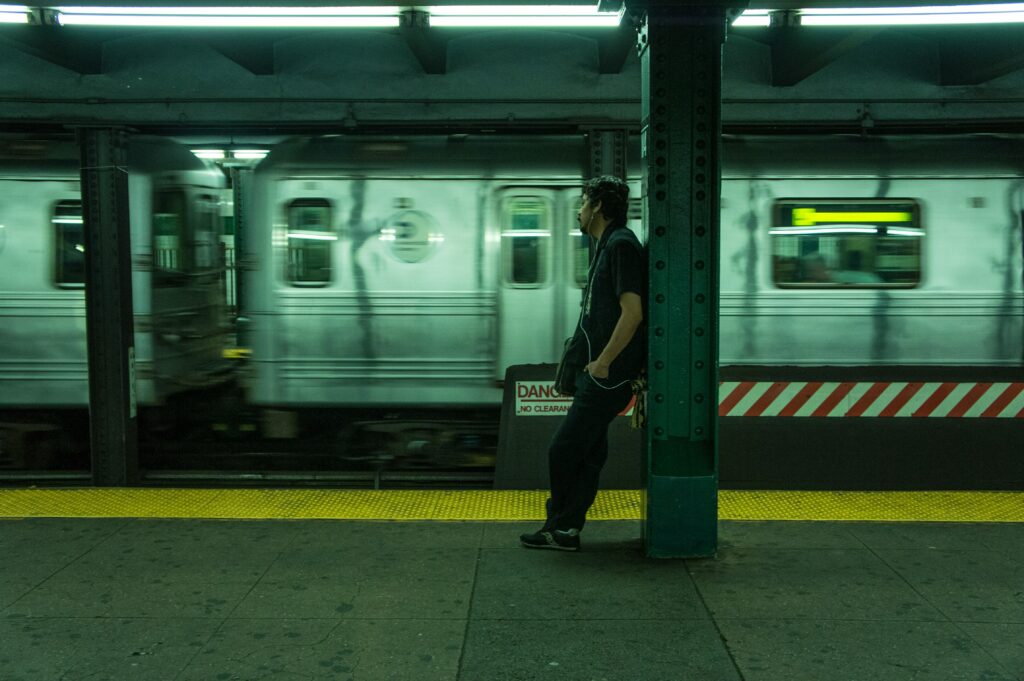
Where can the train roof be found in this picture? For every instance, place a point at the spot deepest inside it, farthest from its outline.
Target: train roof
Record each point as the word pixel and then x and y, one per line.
pixel 873 156
pixel 566 156
pixel 451 155
pixel 60 158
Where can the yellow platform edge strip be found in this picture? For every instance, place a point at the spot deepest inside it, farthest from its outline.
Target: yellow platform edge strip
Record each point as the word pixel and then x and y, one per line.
pixel 397 505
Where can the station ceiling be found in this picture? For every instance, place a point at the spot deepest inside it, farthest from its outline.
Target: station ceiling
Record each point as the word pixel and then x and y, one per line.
pixel 778 77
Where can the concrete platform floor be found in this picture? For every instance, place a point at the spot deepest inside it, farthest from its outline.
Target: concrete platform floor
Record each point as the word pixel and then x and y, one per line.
pixel 189 600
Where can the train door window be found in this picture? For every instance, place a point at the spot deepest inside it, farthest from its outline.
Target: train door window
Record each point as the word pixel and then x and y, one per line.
pixel 635 219
pixel 580 248
pixel 205 238
pixel 310 241
pixel 526 241
pixel 864 243
pixel 70 244
pixel 169 211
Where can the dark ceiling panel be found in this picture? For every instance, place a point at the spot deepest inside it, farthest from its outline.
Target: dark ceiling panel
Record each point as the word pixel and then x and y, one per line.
pixel 973 55
pixel 798 53
pixel 256 56
pixel 70 50
pixel 613 47
pixel 429 47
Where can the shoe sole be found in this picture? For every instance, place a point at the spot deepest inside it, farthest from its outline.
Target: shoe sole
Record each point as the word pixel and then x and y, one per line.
pixel 556 547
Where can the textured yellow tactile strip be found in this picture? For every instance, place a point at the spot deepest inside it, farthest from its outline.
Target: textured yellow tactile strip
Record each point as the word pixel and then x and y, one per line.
pixel 494 505
pixel 977 507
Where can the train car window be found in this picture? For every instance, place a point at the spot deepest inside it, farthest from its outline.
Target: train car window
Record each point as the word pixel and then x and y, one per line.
pixel 205 238
pixel 169 219
pixel 526 241
pixel 310 241
pixel 831 243
pixel 580 248
pixel 70 244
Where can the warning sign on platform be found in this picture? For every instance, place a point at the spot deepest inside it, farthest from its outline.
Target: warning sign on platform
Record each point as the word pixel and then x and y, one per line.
pixel 538 398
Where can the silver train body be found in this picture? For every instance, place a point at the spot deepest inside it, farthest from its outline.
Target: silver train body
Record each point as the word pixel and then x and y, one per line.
pixel 414 271
pixel 177 275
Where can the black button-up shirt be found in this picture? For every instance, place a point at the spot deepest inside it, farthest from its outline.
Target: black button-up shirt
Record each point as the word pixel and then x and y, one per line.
pixel 618 267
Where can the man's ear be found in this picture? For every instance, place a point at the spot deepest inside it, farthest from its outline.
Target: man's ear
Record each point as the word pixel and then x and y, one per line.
pixel 595 207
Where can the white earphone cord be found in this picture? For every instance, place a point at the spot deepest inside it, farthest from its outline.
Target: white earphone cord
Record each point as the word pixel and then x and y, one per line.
pixel 583 309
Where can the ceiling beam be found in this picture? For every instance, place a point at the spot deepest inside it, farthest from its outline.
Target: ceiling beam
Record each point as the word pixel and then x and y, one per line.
pixel 255 56
pixel 70 50
pixel 430 49
pixel 613 47
pixel 798 53
pixel 973 55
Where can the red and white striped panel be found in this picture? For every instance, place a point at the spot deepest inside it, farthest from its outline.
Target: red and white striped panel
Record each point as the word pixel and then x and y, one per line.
pixel 896 399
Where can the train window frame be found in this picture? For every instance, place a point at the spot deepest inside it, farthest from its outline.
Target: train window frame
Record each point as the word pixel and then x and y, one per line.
pixel 544 234
pixel 856 229
pixel 580 243
pixel 58 221
pixel 205 205
pixel 175 272
pixel 324 243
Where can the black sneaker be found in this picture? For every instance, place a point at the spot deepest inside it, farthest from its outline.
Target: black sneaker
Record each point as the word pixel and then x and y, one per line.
pixel 560 540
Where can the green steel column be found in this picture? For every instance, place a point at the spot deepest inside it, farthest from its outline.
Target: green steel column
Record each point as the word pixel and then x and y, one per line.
pixel 680 47
pixel 109 317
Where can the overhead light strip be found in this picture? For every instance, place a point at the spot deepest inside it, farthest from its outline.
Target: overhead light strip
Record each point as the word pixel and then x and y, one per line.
pixel 933 9
pixel 232 17
pixel 238 11
pixel 227 22
pixel 516 10
pixel 958 19
pixel 993 13
pixel 753 17
pixel 519 16
pixel 519 21
pixel 13 14
pixel 493 16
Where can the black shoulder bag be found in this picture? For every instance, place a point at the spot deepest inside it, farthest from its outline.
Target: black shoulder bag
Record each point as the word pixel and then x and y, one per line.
pixel 574 358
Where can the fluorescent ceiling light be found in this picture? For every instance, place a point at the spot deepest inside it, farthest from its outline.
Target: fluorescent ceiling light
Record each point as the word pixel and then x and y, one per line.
pixel 68 221
pixel 249 154
pixel 237 11
pixel 904 231
pixel 499 16
pixel 515 10
pixel 209 154
pixel 231 17
pixel 915 16
pixel 515 21
pixel 13 14
pixel 753 17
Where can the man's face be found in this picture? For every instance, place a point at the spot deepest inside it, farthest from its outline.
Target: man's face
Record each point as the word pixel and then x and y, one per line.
pixel 586 215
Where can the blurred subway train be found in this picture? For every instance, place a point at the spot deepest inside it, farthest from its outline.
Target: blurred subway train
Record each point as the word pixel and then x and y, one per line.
pixel 181 325
pixel 862 280
pixel 398 277
pixel 415 271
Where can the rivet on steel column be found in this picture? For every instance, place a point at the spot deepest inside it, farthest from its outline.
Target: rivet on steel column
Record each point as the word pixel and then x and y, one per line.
pixel 680 48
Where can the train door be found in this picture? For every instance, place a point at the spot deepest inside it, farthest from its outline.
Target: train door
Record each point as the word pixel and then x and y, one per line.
pixel 527 294
pixel 574 261
pixel 187 290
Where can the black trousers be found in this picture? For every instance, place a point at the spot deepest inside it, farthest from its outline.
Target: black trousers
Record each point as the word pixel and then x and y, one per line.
pixel 579 451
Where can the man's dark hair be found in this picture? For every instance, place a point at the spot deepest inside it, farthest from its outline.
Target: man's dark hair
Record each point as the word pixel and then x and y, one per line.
pixel 613 194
